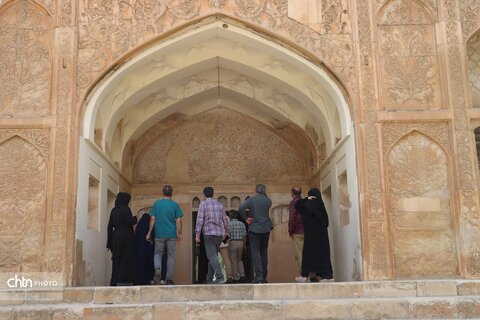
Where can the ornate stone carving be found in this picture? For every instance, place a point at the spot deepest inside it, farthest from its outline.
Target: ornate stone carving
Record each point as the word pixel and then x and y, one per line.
pixel 419 199
pixel 467 184
pixel 25 64
pixel 23 200
pixel 437 131
pixel 473 63
pixel 323 16
pixel 407 57
pixel 193 151
pixel 249 8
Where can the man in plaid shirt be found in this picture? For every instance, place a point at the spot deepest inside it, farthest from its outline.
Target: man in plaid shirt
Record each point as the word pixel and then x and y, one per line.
pixel 238 233
pixel 213 222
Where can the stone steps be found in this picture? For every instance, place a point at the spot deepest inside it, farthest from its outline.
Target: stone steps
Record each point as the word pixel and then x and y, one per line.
pixel 434 299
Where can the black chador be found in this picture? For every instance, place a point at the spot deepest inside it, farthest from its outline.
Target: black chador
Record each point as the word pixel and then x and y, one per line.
pixel 121 241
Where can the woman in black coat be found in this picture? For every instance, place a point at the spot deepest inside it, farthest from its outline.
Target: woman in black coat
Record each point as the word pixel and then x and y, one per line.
pixel 316 246
pixel 121 241
pixel 144 250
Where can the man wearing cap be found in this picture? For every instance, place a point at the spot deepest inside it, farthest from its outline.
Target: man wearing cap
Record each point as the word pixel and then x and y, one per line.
pixel 258 218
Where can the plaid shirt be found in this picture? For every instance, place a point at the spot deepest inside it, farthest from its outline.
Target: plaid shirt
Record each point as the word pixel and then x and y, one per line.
pixel 237 230
pixel 211 219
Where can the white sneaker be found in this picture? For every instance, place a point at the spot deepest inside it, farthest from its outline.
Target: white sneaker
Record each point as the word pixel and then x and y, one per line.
pixel 301 279
pixel 327 280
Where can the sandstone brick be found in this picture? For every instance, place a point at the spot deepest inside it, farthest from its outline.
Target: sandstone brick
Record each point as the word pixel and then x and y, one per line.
pixel 118 313
pixel 317 309
pixel 379 309
pixel 157 294
pixel 116 295
pixel 168 311
pixel 234 311
pixel 78 294
pixel 274 291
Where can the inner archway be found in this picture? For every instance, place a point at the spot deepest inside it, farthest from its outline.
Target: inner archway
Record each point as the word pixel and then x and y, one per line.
pixel 223 106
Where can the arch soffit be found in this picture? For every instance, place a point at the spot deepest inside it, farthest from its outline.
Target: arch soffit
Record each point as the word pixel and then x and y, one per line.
pixel 205 101
pixel 151 134
pixel 292 112
pixel 319 74
pixel 130 96
pixel 431 15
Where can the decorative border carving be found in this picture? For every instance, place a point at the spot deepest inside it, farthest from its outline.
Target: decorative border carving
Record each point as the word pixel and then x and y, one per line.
pixel 394 131
pixel 40 138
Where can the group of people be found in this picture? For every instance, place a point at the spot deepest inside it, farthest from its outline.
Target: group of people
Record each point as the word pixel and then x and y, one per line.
pixel 156 235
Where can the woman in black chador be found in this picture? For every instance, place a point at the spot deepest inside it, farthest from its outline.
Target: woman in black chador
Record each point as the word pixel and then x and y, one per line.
pixel 316 247
pixel 121 241
pixel 144 250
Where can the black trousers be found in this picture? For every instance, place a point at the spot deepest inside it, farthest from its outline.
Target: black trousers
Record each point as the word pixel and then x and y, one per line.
pixel 259 253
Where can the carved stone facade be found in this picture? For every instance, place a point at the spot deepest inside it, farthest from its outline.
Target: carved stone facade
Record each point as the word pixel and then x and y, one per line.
pixel 407 69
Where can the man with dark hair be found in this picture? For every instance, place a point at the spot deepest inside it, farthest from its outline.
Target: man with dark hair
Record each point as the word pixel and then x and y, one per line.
pixel 166 217
pixel 213 222
pixel 258 218
pixel 295 230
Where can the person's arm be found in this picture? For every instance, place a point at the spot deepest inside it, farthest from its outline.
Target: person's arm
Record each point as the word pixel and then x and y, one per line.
pixel 152 223
pixel 200 221
pixel 291 218
pixel 243 207
pixel 110 233
pixel 179 215
pixel 226 224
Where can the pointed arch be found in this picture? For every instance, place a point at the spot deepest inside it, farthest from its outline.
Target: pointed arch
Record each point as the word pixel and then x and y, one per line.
pixel 22 199
pixel 419 203
pixel 26 64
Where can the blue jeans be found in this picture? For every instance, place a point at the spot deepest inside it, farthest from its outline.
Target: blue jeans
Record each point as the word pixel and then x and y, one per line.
pixel 212 245
pixel 259 253
pixel 160 244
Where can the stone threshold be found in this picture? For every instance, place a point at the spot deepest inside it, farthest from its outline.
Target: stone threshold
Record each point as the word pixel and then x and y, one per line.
pixel 458 307
pixel 241 292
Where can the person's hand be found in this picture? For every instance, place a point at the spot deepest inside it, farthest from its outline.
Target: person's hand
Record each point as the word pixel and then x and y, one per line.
pixel 179 237
pixel 147 237
pixel 197 239
pixel 249 220
pixel 311 197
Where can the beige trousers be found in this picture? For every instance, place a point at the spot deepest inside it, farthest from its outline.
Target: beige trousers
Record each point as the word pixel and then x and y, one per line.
pixel 298 247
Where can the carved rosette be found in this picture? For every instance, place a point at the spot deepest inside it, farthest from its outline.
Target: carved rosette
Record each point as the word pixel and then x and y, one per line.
pixel 25 64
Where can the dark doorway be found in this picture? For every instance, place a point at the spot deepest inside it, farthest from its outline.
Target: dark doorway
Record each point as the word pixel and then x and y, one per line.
pixel 200 261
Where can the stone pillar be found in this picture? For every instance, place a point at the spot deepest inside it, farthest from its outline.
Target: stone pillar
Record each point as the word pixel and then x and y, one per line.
pixel 464 144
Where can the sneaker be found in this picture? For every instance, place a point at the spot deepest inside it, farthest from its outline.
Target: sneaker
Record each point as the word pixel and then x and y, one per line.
pixel 313 280
pixel 162 282
pixel 218 281
pixel 157 276
pixel 170 283
pixel 328 280
pixel 301 279
pixel 230 280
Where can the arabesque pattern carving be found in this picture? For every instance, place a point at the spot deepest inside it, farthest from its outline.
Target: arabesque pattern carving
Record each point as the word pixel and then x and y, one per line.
pixel 468 198
pixel 22 199
pixel 374 225
pixel 470 10
pixel 25 64
pixel 473 63
pixel 217 147
pixel 109 29
pixel 407 57
pixel 420 209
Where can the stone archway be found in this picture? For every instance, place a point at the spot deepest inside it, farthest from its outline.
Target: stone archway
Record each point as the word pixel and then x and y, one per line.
pixel 221 93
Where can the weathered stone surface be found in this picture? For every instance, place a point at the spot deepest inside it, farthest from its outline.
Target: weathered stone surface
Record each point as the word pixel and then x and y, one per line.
pixel 408 71
pixel 317 310
pixel 234 311
pixel 84 295
pixel 117 295
pixel 169 311
pixel 118 313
